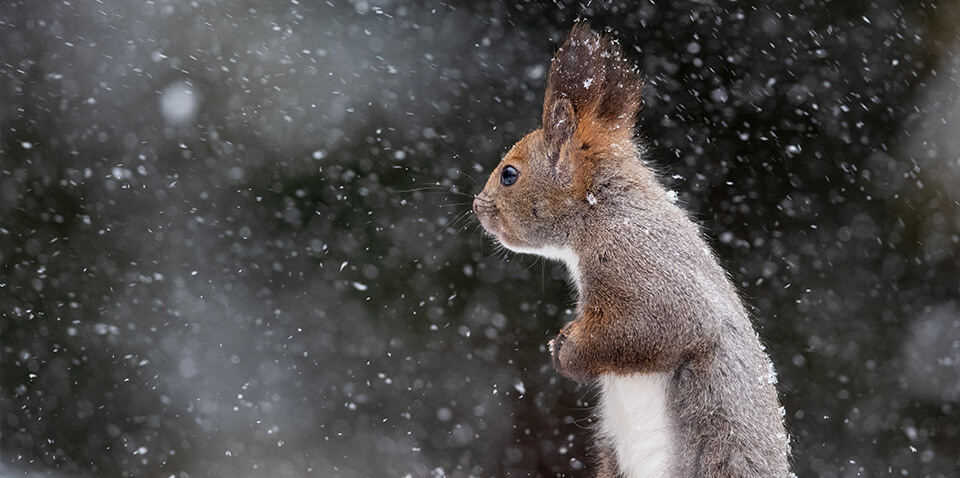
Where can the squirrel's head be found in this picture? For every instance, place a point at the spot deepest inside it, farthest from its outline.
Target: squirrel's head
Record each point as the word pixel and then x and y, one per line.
pixel 540 195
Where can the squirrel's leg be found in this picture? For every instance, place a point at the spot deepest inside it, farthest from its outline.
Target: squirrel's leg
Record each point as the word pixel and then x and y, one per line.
pixel 593 345
pixel 590 346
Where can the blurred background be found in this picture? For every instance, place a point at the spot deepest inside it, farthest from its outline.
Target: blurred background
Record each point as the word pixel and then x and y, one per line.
pixel 235 236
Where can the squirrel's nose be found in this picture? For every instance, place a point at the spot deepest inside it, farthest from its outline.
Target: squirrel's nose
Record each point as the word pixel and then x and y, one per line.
pixel 476 205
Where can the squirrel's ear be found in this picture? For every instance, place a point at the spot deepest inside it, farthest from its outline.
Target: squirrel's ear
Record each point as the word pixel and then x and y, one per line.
pixel 559 121
pixel 590 72
pixel 559 126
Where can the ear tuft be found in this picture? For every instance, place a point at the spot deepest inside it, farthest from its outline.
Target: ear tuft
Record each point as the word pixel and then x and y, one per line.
pixel 589 71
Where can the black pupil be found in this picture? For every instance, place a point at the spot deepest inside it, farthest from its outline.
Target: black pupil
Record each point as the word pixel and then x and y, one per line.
pixel 509 175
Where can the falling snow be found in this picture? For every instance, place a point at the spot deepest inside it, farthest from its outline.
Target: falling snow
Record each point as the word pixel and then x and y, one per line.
pixel 179 103
pixel 235 238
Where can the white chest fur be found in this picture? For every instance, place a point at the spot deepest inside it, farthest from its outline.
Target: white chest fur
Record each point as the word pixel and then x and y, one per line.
pixel 633 410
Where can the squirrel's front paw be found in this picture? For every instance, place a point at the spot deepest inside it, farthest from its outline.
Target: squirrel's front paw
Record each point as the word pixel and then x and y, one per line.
pixel 567 355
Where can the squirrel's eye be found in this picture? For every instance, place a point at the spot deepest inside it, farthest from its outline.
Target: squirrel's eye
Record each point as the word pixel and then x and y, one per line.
pixel 509 175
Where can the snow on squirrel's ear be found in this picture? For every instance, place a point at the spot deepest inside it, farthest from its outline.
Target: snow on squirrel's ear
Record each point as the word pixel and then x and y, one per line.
pixel 601 86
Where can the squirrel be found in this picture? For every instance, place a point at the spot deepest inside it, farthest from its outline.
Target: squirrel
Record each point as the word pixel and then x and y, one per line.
pixel 686 388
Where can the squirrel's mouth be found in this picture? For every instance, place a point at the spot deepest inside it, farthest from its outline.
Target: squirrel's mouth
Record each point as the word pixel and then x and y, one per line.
pixel 490 219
